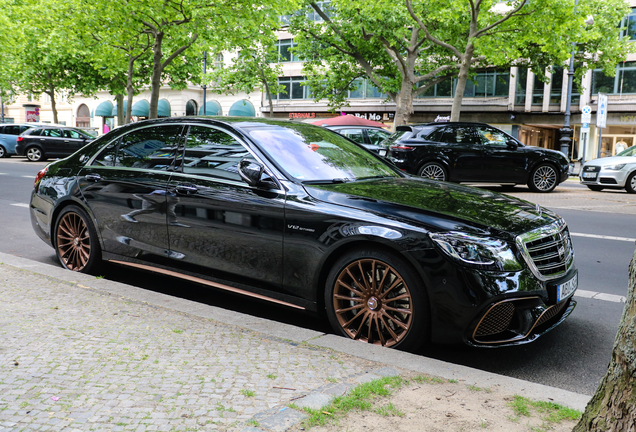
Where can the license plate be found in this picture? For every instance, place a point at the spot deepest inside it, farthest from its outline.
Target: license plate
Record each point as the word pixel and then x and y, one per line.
pixel 382 152
pixel 566 289
pixel 589 175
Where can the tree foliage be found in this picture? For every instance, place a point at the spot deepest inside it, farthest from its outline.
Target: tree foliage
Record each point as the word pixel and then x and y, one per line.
pixel 405 47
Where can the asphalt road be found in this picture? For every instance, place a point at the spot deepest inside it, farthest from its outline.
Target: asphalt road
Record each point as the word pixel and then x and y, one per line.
pixel 574 356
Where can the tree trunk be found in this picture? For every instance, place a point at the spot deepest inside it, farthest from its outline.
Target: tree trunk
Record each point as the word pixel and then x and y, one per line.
pixel 119 99
pixel 269 98
pixel 462 77
pixel 612 407
pixel 403 104
pixel 51 94
pixel 130 90
pixel 157 69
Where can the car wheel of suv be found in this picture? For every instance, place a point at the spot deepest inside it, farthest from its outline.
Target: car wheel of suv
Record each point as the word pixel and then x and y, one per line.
pixel 34 154
pixel 544 178
pixel 76 243
pixel 595 188
pixel 433 171
pixel 375 297
pixel 3 152
pixel 630 184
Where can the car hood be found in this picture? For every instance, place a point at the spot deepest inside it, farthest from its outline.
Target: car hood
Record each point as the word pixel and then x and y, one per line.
pixel 612 160
pixel 437 205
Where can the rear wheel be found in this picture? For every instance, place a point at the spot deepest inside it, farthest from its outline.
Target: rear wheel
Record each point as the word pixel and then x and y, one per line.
pixel 34 154
pixel 3 152
pixel 544 178
pixel 595 188
pixel 375 297
pixel 630 184
pixel 433 171
pixel 76 243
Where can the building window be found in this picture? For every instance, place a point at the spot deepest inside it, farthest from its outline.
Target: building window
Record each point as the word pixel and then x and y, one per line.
pixel 623 82
pixel 284 47
pixel 537 91
pixel 556 83
pixel 628 26
pixel 365 90
pixel 325 6
pixel 489 83
pixel 293 88
pixel 522 82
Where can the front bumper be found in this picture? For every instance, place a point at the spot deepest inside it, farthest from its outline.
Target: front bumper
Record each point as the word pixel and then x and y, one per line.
pixel 604 178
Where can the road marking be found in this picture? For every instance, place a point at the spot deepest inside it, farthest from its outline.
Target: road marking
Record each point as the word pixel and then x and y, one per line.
pixel 3 173
pixel 599 296
pixel 627 239
pixel 28 177
pixel 20 205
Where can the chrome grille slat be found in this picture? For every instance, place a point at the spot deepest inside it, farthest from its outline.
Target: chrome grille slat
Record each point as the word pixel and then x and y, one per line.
pixel 547 250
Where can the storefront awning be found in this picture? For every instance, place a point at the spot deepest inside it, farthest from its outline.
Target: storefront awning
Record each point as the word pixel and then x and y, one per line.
pixel 163 108
pixel 212 107
pixel 115 109
pixel 141 108
pixel 104 109
pixel 243 108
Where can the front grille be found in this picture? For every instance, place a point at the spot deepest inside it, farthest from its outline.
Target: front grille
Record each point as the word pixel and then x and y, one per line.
pixel 496 320
pixel 547 250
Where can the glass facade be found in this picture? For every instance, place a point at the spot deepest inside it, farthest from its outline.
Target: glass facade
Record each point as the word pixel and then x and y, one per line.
pixel 628 26
pixel 488 83
pixel 623 82
pixel 285 52
pixel 522 81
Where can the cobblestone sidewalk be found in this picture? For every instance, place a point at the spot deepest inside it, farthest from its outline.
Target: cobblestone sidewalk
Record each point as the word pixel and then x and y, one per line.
pixel 74 358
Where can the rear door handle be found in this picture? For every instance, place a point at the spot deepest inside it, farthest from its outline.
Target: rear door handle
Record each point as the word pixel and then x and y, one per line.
pixel 93 177
pixel 186 189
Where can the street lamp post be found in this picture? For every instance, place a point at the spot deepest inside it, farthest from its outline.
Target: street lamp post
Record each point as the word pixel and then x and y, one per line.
pixel 566 131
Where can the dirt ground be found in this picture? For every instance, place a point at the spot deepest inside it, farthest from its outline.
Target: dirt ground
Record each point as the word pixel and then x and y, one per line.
pixel 443 407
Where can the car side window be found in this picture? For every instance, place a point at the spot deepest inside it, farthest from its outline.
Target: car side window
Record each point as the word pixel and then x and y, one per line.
pixel 355 135
pixel 55 133
pixel 36 132
pixel 376 136
pixel 149 148
pixel 11 130
pixel 212 152
pixel 491 136
pixel 70 133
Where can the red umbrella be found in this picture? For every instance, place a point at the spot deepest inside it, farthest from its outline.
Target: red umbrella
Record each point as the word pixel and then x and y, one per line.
pixel 347 120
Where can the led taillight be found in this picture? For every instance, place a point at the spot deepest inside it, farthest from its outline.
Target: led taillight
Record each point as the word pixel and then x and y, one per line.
pixel 402 147
pixel 18 139
pixel 39 176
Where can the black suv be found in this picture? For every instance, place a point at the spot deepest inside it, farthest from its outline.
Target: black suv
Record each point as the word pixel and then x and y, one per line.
pixel 475 153
pixel 40 143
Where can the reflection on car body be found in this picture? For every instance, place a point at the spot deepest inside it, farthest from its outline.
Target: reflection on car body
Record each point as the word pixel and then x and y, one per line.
pixel 297 215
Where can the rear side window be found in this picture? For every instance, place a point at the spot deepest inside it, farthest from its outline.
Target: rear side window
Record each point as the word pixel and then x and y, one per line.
pixel 36 132
pixel 397 136
pixel 11 130
pixel 55 133
pixel 149 148
pixel 70 133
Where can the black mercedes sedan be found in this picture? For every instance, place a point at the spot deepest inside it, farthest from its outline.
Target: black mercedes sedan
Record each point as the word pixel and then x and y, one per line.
pixel 298 215
pixel 474 153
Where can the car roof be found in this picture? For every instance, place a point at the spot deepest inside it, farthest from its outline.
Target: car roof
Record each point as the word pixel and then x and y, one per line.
pixel 410 127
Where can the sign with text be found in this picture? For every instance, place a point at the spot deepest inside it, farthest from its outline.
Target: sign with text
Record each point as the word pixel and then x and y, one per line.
pixel 601 112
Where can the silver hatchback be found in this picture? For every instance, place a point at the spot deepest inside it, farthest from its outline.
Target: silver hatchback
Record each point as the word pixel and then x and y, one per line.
pixel 615 172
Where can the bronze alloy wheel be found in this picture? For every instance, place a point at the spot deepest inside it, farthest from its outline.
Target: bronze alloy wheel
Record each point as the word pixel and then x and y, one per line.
pixel 373 303
pixel 73 241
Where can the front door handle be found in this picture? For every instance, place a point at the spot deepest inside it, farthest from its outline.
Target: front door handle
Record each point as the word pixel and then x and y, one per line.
pixel 93 177
pixel 186 189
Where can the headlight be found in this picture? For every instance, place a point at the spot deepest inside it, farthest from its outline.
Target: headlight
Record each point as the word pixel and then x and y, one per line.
pixel 484 252
pixel 614 167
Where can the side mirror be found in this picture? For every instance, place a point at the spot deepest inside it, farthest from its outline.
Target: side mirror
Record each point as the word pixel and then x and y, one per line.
pixel 512 144
pixel 252 173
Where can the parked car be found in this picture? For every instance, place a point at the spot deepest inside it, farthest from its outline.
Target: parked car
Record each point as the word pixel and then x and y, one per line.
pixel 8 136
pixel 614 172
pixel 297 215
pixel 368 136
pixel 475 153
pixel 42 142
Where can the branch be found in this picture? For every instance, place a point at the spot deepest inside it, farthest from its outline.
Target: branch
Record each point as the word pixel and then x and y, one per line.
pixel 179 51
pixel 430 37
pixel 505 18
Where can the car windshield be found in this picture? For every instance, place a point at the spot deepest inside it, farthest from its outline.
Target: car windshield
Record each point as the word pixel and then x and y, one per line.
pixel 314 155
pixel 631 151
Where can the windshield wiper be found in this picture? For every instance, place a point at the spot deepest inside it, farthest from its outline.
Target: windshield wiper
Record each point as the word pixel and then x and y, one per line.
pixel 327 181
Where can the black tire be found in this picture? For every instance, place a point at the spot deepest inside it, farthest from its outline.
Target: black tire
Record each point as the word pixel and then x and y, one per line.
pixel 433 171
pixel 34 154
pixel 76 243
pixel 595 188
pixel 3 152
pixel 544 178
pixel 390 309
pixel 630 184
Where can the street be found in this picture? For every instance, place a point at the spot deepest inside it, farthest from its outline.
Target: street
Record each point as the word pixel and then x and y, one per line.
pixel 573 357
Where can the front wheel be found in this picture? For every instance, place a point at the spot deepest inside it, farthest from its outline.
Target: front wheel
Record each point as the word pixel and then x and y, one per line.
pixel 3 152
pixel 76 244
pixel 544 178
pixel 630 184
pixel 34 154
pixel 375 297
pixel 433 171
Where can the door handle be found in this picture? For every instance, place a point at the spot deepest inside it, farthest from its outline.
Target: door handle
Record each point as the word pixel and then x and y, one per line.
pixel 186 189
pixel 66 141
pixel 93 177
